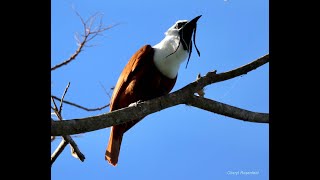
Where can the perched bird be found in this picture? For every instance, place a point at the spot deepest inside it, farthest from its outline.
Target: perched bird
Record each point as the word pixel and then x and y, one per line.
pixel 151 72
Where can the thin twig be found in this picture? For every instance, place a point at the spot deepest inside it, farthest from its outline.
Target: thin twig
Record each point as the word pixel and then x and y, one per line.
pixel 108 94
pixel 56 110
pixel 54 103
pixel 88 35
pixel 58 151
pixel 81 107
pixel 66 138
pixel 74 148
pixel 72 57
pixel 61 101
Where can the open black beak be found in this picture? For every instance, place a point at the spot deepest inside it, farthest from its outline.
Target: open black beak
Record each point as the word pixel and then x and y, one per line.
pixel 193 22
pixel 185 36
pixel 186 32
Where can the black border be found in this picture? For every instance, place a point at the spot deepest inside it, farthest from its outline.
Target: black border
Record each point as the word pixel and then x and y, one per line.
pixel 27 79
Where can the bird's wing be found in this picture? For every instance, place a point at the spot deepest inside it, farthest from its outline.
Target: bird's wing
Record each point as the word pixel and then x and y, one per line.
pixel 136 61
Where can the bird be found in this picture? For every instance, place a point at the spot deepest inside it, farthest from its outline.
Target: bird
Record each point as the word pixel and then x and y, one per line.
pixel 151 72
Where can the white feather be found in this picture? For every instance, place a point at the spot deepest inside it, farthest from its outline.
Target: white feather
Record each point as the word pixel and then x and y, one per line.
pixel 168 64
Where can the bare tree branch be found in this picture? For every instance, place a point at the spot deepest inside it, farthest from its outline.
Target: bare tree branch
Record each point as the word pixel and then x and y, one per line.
pixel 64 142
pixel 227 110
pixel 61 101
pixel 56 110
pixel 81 107
pixel 88 35
pixel 183 96
pixel 107 93
pixel 58 151
pixel 66 138
pixel 75 151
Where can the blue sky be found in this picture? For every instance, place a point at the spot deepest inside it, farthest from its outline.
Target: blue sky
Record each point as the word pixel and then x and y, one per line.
pixel 180 142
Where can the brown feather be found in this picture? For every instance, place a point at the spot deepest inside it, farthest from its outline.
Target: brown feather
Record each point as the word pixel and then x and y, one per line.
pixel 139 80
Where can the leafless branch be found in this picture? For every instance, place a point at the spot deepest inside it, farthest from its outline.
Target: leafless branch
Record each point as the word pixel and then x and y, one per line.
pixel 227 110
pixel 74 148
pixel 88 35
pixel 56 110
pixel 66 138
pixel 183 96
pixel 58 151
pixel 108 94
pixel 81 107
pixel 61 101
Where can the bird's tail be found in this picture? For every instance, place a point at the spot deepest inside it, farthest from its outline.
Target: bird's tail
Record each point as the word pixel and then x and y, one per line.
pixel 113 149
pixel 115 139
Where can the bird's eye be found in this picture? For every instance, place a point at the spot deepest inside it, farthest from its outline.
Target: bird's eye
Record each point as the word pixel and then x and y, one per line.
pixel 180 24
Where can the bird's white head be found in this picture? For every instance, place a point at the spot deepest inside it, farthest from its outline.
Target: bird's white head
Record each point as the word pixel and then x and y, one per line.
pixel 174 30
pixel 175 47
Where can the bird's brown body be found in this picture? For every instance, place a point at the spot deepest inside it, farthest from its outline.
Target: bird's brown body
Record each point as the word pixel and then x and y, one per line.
pixel 151 72
pixel 139 80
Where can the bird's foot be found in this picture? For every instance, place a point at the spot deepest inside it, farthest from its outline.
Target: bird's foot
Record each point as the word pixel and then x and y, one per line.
pixel 135 103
